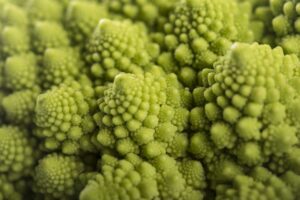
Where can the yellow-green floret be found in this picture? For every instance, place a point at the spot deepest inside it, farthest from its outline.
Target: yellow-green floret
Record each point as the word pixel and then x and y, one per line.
pixel 16 152
pixel 20 72
pixel 45 10
pixel 151 12
pixel 19 106
pixel 55 176
pixel 111 51
pixel 7 190
pixel 82 17
pixel 282 21
pixel 47 34
pixel 14 40
pixel 133 178
pixel 62 116
pixel 198 31
pixel 247 108
pixel 145 114
pixel 59 65
pixel 261 185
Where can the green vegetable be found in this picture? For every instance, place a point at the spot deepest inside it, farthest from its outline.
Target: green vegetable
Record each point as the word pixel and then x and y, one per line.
pixel 144 113
pixel 55 176
pixel 149 99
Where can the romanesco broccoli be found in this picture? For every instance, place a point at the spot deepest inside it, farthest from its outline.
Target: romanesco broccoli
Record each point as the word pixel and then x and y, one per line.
pixel 149 99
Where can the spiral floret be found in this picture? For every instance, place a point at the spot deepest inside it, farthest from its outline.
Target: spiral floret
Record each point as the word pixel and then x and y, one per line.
pixel 45 10
pixel 7 190
pixel 55 176
pixel 281 19
pixel 19 106
pixel 82 17
pixel 145 114
pixel 111 51
pixel 60 64
pixel 20 72
pixel 47 34
pixel 134 178
pixel 62 116
pixel 199 31
pixel 16 153
pixel 245 106
pixel 149 12
pixel 266 187
pixel 14 40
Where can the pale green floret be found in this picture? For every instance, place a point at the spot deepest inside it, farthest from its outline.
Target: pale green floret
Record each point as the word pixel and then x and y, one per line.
pixel 16 153
pixel 55 176
pixel 287 16
pixel 279 139
pixel 250 153
pixel 174 178
pixel 60 64
pixel 266 186
pixel 293 180
pixel 62 116
pixel 290 44
pixel 292 160
pixel 81 19
pixel 282 163
pixel 149 99
pixel 202 147
pixel 134 178
pixel 251 104
pixel 20 72
pixel 122 179
pixel 14 40
pixel 153 13
pixel 45 10
pixel 8 190
pixel 13 15
pixel 47 34
pixel 198 119
pixel 222 169
pixel 193 173
pixel 281 19
pixel 144 114
pixel 111 51
pixel 198 31
pixel 19 106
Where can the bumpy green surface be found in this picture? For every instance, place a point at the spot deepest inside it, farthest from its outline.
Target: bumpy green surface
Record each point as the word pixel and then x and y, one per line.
pixel 19 106
pixel 198 31
pixel 249 105
pixel 62 116
pixel 144 114
pixel 286 24
pixel 111 51
pixel 14 40
pixel 152 12
pixel 281 20
pixel 149 99
pixel 122 180
pixel 13 15
pixel 60 64
pixel 16 152
pixel 47 34
pixel 82 17
pixel 20 72
pixel 263 185
pixel 7 190
pixel 45 10
pixel 55 176
pixel 133 178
